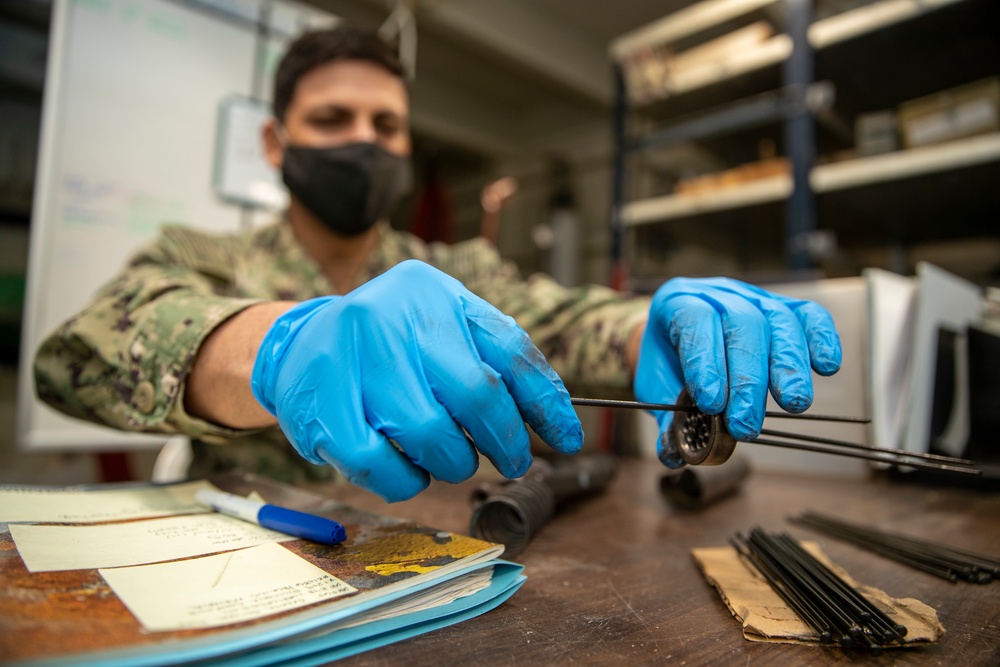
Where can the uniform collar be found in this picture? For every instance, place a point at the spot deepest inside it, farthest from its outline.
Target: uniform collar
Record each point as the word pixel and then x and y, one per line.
pixel 296 276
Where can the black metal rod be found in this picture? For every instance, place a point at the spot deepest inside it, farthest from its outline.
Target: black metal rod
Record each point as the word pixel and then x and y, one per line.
pixel 929 567
pixel 854 445
pixel 967 568
pixel 858 451
pixel 672 407
pixel 937 559
pixel 990 560
pixel 824 600
pixel 763 559
pixel 834 585
pixel 888 629
pixel 803 608
pixel 631 405
pixel 870 455
pixel 795 579
pixel 895 541
pixel 819 418
pixel 801 580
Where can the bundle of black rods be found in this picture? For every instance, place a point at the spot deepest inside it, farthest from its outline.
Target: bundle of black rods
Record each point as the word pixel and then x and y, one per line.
pixel 937 559
pixel 835 610
pixel 812 443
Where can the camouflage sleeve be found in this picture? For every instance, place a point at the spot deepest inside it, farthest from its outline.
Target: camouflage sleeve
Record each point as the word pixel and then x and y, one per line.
pixel 122 361
pixel 583 331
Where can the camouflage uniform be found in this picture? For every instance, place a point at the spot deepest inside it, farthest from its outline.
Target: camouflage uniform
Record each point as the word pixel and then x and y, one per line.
pixel 123 360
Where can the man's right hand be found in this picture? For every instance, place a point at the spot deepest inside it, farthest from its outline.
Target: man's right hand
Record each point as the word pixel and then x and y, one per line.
pixel 405 378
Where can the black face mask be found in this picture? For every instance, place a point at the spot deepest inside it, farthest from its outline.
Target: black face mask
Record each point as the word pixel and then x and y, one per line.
pixel 348 187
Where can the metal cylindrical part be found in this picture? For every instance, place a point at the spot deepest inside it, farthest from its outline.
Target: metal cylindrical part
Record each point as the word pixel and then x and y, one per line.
pixel 701 439
pixel 695 487
pixel 512 513
pixel 579 476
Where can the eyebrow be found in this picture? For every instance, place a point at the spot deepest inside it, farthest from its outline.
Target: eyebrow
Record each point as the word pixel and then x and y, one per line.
pixel 328 109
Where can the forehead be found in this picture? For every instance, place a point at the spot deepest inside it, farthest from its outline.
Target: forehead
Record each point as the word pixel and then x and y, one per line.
pixel 357 84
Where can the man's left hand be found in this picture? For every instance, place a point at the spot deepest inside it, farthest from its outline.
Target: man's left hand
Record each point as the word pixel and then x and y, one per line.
pixel 728 342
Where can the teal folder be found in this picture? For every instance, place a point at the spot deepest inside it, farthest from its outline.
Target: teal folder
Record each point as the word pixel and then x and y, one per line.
pixel 411 579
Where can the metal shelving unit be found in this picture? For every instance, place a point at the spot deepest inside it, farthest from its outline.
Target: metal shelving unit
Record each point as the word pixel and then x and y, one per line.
pixel 925 160
pixel 785 64
pixel 823 33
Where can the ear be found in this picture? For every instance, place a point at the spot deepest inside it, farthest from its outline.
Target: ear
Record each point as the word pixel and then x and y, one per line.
pixel 274 151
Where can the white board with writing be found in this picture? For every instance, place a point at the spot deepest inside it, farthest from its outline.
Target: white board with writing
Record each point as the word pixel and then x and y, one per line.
pixel 133 93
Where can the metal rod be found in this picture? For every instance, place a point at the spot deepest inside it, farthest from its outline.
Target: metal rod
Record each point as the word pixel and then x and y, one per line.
pixel 835 609
pixel 870 455
pixel 800 578
pixel 632 405
pixel 802 607
pixel 921 460
pixel 864 609
pixel 967 564
pixel 935 568
pixel 670 407
pixel 946 561
pixel 819 418
pixel 854 445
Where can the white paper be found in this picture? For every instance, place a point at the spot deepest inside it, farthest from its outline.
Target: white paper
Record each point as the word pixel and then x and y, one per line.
pixel 444 593
pixel 943 301
pixel 222 589
pixel 891 306
pixel 73 506
pixel 50 548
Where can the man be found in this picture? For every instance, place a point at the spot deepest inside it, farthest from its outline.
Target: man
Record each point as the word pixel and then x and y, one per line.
pixel 389 370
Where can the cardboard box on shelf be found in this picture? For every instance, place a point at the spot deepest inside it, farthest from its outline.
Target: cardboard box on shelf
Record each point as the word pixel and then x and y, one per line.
pixel 722 47
pixel 652 71
pixel 734 177
pixel 876 132
pixel 958 112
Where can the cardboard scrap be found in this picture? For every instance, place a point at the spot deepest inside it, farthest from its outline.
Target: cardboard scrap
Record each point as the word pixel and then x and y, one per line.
pixel 767 618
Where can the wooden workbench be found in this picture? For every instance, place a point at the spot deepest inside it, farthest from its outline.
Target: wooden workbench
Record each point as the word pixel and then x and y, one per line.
pixel 611 580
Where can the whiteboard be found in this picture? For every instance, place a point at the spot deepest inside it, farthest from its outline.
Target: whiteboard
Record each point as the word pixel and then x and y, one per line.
pixel 132 96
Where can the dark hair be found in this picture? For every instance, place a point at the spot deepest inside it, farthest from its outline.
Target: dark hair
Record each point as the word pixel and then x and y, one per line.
pixel 320 47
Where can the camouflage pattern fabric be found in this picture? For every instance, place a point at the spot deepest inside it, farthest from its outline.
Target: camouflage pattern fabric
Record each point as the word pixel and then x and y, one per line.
pixel 123 360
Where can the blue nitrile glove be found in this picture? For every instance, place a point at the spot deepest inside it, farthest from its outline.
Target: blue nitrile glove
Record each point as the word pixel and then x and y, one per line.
pixel 380 384
pixel 728 343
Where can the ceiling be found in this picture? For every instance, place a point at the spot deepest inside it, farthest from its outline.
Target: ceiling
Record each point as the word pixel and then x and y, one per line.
pixel 601 21
pixel 495 79
pixel 501 76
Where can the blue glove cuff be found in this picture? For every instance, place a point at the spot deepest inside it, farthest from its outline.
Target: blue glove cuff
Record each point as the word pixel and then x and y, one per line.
pixel 274 345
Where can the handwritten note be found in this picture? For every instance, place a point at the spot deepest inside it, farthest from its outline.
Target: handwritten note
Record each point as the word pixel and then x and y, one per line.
pixel 62 506
pixel 50 548
pixel 223 589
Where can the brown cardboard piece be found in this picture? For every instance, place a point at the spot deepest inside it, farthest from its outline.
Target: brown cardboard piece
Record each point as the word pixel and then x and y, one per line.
pixel 767 618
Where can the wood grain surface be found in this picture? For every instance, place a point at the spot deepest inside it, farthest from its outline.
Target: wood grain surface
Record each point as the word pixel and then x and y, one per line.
pixel 611 580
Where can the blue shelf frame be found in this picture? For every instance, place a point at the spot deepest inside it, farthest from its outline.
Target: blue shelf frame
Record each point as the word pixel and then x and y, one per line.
pixel 789 104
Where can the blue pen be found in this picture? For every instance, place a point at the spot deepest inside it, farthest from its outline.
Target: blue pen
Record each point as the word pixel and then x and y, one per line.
pixel 301 524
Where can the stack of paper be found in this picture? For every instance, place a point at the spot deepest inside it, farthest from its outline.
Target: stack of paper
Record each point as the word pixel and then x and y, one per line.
pixel 144 576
